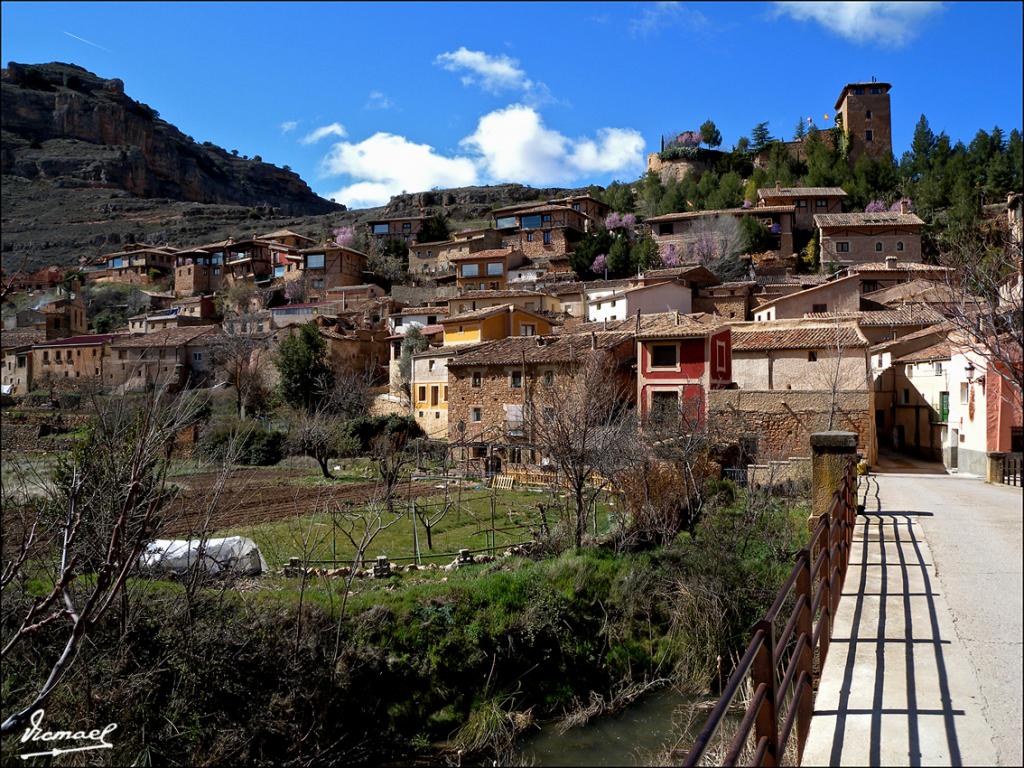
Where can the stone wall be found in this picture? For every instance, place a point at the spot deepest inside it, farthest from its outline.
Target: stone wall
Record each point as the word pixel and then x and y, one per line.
pixel 783 420
pixel 726 306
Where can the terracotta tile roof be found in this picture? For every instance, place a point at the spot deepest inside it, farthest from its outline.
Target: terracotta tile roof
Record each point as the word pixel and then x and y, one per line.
pixel 284 233
pixel 882 218
pixel 915 291
pixel 171 337
pixel 563 289
pixel 423 311
pixel 755 339
pixel 931 330
pixel 939 351
pixel 539 349
pixel 478 314
pixel 904 266
pixel 922 315
pixel 730 211
pixel 452 350
pixel 21 337
pixel 430 330
pixel 89 340
pixel 495 294
pixel 490 253
pixel 518 206
pixel 546 208
pixel 790 279
pixel 673 325
pixel 765 192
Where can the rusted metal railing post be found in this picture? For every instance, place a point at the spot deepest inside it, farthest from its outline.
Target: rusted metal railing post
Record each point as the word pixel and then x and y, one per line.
pixel 763 670
pixel 805 630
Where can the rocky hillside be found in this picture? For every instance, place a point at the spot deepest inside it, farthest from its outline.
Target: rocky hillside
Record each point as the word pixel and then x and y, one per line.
pixel 64 124
pixel 87 169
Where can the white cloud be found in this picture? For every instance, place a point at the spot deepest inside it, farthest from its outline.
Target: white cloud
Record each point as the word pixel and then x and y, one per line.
pixel 494 73
pixel 386 164
pixel 512 144
pixel 289 125
pixel 889 23
pixel 657 16
pixel 378 100
pixel 334 129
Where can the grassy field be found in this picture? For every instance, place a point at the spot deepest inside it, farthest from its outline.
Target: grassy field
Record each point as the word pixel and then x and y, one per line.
pixel 467 524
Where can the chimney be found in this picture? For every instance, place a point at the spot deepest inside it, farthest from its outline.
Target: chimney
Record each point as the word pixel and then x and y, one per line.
pixel 593 340
pixel 891 262
pixel 677 317
pixel 778 185
pixel 638 321
pixel 904 208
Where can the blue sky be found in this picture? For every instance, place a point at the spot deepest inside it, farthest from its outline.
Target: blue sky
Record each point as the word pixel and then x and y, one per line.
pixel 367 100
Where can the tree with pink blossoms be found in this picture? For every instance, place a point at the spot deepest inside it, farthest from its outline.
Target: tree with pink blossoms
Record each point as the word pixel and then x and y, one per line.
pixel 345 236
pixel 624 221
pixel 600 264
pixel 876 206
pixel 670 256
pixel 896 207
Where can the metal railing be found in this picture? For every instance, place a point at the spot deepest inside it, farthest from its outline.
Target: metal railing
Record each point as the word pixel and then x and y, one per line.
pixel 1012 471
pixel 782 664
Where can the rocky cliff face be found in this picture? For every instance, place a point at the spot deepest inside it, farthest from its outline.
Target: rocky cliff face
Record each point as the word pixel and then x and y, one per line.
pixel 87 169
pixel 65 125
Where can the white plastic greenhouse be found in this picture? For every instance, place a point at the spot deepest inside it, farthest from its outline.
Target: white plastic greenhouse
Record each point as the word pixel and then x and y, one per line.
pixel 234 554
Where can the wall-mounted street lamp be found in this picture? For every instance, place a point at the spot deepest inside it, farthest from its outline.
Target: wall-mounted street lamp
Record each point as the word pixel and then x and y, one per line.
pixel 969 370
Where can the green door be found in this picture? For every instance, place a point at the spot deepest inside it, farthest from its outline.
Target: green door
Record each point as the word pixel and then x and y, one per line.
pixel 943 406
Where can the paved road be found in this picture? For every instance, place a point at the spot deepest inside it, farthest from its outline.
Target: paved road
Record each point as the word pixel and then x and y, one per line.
pixel 926 666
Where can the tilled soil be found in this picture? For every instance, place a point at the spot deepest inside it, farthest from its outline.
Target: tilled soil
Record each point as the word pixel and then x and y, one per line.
pixel 253 496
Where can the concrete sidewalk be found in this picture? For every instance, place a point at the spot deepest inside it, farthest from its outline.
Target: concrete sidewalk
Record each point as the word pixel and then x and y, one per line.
pixel 925 662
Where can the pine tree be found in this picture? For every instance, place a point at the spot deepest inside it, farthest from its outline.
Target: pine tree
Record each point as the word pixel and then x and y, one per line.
pixel 710 134
pixel 800 131
pixel 760 137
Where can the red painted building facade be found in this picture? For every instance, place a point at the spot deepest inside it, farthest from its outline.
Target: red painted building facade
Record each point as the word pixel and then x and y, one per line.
pixel 677 366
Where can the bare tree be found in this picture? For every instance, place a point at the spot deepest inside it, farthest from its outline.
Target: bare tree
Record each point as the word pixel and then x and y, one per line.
pixel 986 286
pixel 360 527
pixel 102 510
pixel 320 435
pixel 239 353
pixel 716 243
pixel 578 424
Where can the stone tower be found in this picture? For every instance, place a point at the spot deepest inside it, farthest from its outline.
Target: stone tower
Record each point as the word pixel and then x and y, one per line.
pixel 863 112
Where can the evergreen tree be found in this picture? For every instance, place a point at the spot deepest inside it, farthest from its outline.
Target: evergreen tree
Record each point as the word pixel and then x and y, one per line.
pixel 800 131
pixel 434 230
pixel 301 362
pixel 921 148
pixel 619 262
pixel 644 255
pixel 590 246
pixel 728 194
pixel 651 191
pixel 760 137
pixel 619 196
pixel 710 134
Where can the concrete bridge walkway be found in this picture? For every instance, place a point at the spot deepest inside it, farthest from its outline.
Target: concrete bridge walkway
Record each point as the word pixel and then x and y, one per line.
pixel 925 662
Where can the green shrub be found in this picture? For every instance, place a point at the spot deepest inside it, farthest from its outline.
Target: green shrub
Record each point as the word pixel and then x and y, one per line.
pixel 255 444
pixel 363 430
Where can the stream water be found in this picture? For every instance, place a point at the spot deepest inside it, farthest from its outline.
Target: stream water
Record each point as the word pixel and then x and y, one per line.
pixel 632 736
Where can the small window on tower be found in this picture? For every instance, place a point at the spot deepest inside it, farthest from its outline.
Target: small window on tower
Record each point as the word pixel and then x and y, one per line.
pixel 869 136
pixel 868 114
